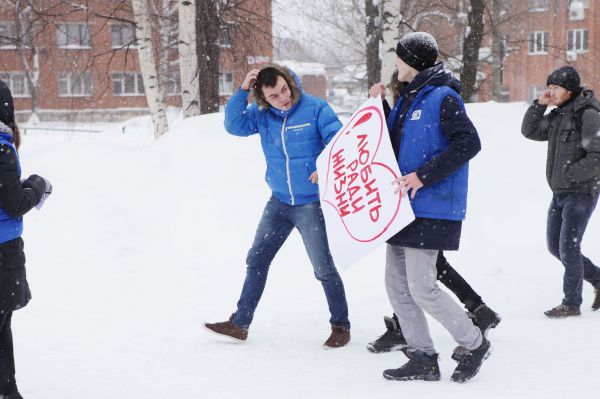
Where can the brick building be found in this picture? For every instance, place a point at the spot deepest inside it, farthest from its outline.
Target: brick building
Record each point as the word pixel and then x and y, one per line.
pixel 553 33
pixel 88 63
pixel 534 37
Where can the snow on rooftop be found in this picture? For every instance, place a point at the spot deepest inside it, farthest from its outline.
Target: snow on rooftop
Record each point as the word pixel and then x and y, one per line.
pixel 304 68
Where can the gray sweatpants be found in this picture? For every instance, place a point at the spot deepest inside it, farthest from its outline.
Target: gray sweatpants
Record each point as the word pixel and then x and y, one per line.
pixel 411 284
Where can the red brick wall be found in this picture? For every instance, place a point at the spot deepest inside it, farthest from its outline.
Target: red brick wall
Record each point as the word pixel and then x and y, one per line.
pixel 524 70
pixel 101 61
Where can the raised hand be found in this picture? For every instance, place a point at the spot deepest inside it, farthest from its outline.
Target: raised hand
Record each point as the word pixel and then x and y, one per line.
pixel 377 89
pixel 250 79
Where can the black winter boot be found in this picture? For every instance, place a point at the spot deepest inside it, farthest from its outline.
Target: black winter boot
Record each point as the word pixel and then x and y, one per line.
pixel 485 319
pixel 391 340
pixel 420 366
pixel 596 303
pixel 469 361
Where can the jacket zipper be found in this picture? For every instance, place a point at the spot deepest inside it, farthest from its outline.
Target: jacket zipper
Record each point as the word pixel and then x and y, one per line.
pixel 287 160
pixel 555 173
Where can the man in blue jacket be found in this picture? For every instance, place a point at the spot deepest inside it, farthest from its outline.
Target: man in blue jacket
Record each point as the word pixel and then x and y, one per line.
pixel 433 140
pixel 294 127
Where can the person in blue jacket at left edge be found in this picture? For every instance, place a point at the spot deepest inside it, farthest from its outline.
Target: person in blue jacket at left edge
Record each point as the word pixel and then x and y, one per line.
pixel 17 197
pixel 294 128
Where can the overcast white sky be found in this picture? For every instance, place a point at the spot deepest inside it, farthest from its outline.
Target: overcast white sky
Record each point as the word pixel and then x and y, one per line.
pixel 333 45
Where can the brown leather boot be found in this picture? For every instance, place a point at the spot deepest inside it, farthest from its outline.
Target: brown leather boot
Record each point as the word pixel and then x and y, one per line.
pixel 228 329
pixel 596 303
pixel 339 337
pixel 562 311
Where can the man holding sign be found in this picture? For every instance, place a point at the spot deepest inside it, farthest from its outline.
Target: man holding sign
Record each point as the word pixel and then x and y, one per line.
pixel 294 127
pixel 433 140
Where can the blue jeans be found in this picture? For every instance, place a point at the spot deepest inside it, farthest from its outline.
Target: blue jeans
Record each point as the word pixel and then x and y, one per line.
pixel 278 221
pixel 568 217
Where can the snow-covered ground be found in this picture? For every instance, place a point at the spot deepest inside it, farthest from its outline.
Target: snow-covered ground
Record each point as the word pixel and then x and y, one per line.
pixel 141 242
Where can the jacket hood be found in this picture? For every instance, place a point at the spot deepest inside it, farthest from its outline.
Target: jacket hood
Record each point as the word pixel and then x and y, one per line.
pixel 434 76
pixel 585 98
pixel 293 82
pixel 6 132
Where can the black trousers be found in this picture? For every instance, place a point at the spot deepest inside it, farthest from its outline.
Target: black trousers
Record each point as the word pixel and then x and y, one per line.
pixel 8 384
pixel 455 283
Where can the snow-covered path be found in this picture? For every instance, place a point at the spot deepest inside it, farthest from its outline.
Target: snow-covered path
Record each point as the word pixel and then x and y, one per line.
pixel 139 245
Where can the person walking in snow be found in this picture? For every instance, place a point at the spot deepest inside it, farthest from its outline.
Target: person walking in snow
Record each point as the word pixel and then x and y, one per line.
pixel 433 140
pixel 482 316
pixel 294 127
pixel 16 199
pixel 573 173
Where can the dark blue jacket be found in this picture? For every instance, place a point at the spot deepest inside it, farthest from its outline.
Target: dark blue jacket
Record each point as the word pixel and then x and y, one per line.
pixel 291 140
pixel 432 136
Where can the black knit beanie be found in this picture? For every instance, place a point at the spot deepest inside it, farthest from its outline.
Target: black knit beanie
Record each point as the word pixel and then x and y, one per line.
pixel 418 49
pixel 7 107
pixel 566 77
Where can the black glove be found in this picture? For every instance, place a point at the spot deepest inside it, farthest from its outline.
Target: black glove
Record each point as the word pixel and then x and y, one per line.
pixel 36 183
pixel 40 186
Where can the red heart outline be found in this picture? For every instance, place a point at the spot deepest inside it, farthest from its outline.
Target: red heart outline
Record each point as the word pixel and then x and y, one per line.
pixel 365 115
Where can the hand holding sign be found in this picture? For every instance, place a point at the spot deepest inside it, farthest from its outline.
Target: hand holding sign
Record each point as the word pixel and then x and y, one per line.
pixel 357 169
pixel 409 182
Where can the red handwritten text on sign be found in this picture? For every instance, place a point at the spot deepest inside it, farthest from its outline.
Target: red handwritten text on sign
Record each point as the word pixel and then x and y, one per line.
pixel 358 186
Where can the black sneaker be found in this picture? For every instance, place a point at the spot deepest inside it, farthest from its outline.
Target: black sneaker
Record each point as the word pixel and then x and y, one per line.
pixel 485 319
pixel 391 340
pixel 563 311
pixel 469 361
pixel 420 366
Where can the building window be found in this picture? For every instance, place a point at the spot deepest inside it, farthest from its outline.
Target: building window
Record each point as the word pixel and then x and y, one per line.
pixel 534 92
pixel 17 83
pixel 122 36
pixel 226 35
pixel 538 43
pixel 578 40
pixel 71 84
pixel 225 84
pixel 128 84
pixel 74 36
pixel 538 5
pixel 173 83
pixel 8 35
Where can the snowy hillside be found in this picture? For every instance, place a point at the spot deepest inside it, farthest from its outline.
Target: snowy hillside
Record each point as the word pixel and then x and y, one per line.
pixel 140 243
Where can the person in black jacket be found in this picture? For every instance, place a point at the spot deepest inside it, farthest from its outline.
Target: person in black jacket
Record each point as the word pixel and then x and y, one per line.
pixel 482 315
pixel 16 199
pixel 573 173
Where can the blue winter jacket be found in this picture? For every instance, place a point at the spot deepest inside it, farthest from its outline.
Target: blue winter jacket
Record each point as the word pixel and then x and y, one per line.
pixel 426 148
pixel 291 140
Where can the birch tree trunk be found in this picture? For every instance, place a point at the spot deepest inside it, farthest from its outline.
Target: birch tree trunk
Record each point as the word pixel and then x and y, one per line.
pixel 390 35
pixel 164 29
pixel 154 96
pixel 188 59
